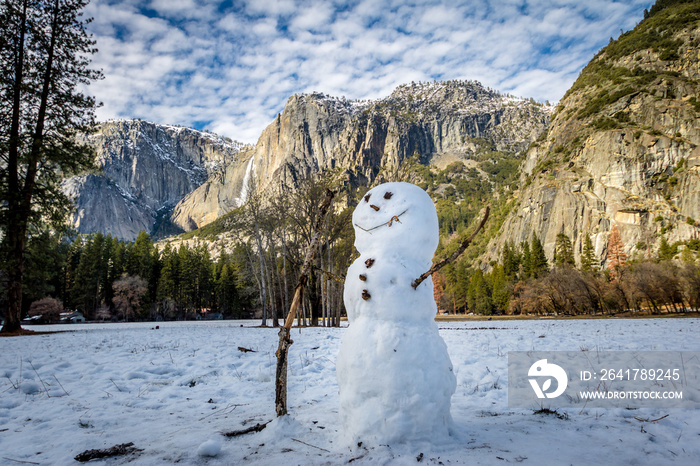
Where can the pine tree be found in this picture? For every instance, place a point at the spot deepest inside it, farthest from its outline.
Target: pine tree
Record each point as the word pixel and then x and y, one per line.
pixel 44 58
pixel 563 251
pixel 92 275
pixel 228 301
pixel 499 288
pixel 113 257
pixel 187 289
pixel 142 261
pixel 526 260
pixel 45 264
pixel 538 260
pixel 168 284
pixel 511 260
pixel 588 258
pixel 479 294
pixel 666 251
pixel 204 278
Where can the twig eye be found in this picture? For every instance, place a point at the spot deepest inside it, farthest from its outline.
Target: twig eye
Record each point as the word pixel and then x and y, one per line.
pixel 387 195
pixel 367 197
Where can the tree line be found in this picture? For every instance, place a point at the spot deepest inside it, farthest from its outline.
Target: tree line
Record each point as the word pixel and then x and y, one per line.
pixel 253 274
pixel 109 279
pixel 523 282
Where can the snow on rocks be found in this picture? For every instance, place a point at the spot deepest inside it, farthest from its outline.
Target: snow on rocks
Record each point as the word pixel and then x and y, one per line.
pixel 394 374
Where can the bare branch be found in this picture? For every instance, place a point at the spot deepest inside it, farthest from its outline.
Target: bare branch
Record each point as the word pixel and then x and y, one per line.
pixel 284 341
pixel 438 265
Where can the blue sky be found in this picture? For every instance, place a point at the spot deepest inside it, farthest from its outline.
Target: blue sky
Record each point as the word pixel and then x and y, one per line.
pixel 230 66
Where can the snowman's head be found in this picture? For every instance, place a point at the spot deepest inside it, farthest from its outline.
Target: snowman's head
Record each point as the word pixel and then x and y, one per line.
pixel 396 217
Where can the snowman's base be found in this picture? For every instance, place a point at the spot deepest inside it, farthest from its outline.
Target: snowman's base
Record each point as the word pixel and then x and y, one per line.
pixel 395 383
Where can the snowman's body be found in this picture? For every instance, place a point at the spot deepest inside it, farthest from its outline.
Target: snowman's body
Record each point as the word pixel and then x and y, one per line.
pixel 394 374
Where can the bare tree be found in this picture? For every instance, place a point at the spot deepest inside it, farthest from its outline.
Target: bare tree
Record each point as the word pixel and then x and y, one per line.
pixel 128 295
pixel 616 256
pixel 49 309
pixel 690 277
pixel 284 341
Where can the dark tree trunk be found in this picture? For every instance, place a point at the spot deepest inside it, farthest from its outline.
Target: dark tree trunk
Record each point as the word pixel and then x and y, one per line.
pixel 20 201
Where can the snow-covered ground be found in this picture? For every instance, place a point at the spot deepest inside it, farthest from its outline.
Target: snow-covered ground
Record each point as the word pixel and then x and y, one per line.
pixel 174 390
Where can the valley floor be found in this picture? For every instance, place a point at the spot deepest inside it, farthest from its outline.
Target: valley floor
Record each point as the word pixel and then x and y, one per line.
pixel 172 391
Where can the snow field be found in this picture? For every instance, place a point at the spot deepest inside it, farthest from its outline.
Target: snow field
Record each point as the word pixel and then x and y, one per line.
pixel 173 391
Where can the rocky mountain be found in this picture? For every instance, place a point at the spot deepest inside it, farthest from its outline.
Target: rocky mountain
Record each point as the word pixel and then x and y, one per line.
pixel 144 170
pixel 623 147
pixel 360 140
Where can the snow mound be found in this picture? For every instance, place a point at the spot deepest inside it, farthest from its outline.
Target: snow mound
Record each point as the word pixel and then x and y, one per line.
pixel 209 448
pixel 29 387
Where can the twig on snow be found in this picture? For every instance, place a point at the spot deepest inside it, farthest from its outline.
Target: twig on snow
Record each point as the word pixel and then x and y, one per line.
pixel 59 383
pixel 19 461
pixel 358 457
pixel 255 428
pixel 650 420
pixel 40 379
pixel 115 384
pixel 308 444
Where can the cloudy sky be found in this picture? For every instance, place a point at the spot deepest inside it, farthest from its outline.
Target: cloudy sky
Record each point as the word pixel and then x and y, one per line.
pixel 230 66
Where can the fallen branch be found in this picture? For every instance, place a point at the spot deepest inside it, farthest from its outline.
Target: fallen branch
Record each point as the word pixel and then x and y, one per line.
pixel 246 350
pixel 438 265
pixel 116 450
pixel 358 457
pixel 255 428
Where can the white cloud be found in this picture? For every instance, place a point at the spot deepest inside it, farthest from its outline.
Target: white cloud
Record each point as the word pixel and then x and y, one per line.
pixel 232 69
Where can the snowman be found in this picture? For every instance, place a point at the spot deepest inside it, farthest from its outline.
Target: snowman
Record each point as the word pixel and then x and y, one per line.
pixel 394 374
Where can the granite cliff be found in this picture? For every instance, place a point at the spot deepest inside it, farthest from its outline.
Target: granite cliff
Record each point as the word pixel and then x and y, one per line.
pixel 623 147
pixel 144 170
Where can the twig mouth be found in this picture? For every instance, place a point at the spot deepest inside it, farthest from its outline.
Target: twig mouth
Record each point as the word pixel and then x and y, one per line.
pixel 388 223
